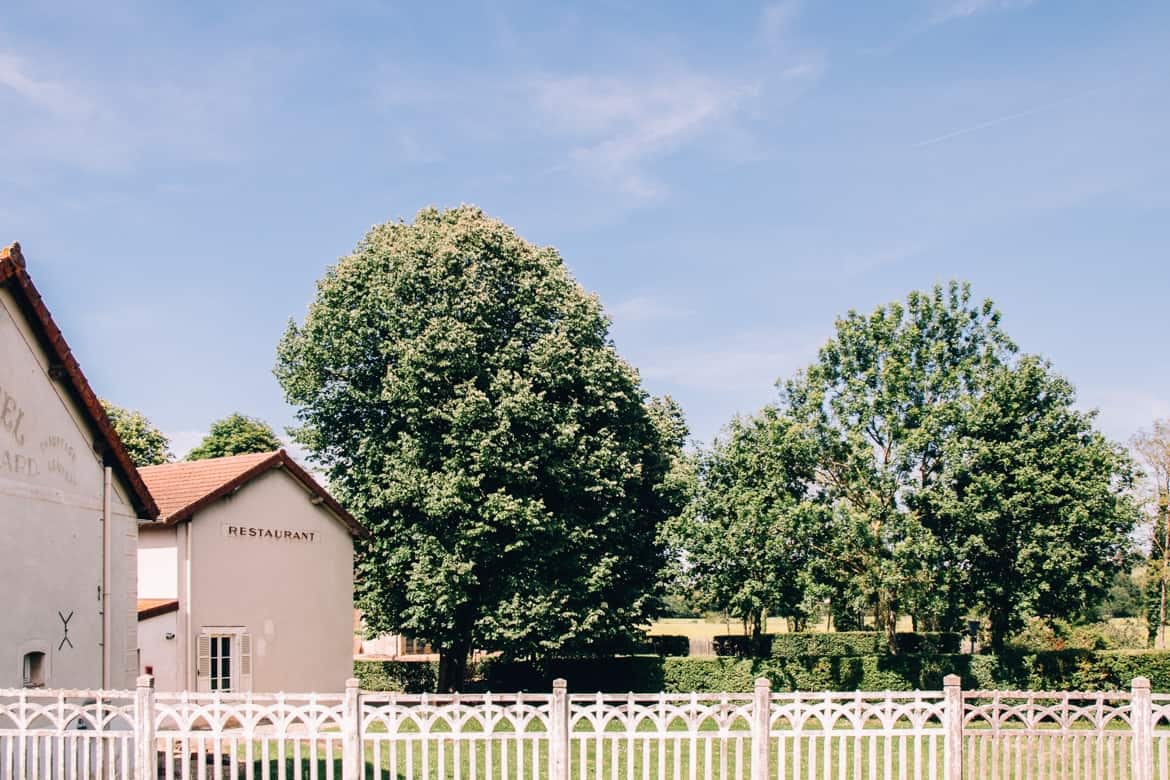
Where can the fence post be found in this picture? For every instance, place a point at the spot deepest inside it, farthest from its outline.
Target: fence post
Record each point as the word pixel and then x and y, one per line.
pixel 761 728
pixel 145 757
pixel 953 722
pixel 352 761
pixel 1142 713
pixel 558 734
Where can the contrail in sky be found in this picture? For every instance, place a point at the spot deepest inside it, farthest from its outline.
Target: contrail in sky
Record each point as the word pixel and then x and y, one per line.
pixel 1002 119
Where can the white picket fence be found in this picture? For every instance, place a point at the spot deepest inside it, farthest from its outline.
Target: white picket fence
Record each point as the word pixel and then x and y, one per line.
pixel 947 735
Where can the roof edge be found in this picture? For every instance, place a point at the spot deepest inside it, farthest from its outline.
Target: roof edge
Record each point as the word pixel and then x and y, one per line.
pixel 278 459
pixel 64 368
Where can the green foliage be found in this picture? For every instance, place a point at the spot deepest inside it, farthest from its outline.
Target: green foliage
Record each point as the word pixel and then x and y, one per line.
pixel 145 443
pixel 1034 505
pixel 834 644
pixel 404 676
pixel 236 434
pixel 1040 634
pixel 1013 670
pixel 462 393
pixel 881 400
pixel 666 644
pixel 748 540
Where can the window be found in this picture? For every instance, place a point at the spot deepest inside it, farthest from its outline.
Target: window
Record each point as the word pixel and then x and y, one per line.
pixel 224 660
pixel 34 670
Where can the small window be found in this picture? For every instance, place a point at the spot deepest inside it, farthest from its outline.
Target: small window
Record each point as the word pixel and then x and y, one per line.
pixel 224 660
pixel 34 670
pixel 221 663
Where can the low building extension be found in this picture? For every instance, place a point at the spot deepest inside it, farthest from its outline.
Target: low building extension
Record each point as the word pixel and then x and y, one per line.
pixel 246 582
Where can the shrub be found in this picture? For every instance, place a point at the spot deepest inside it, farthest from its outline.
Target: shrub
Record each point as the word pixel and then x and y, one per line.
pixel 1013 670
pixel 667 644
pixel 833 644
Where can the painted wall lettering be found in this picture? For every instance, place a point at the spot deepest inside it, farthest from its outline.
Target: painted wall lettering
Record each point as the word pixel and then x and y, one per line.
pixel 11 416
pixel 18 464
pixel 273 534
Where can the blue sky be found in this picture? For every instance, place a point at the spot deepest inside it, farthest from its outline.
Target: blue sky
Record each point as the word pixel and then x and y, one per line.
pixel 727 177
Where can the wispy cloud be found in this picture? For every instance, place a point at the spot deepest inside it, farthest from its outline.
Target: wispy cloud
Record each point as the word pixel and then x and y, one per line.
pixel 62 112
pixel 962 9
pixel 623 123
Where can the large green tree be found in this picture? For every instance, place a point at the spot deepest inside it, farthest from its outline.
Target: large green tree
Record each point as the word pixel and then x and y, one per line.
pixel 881 401
pixel 462 393
pixel 1034 506
pixel 144 442
pixel 236 434
pixel 1152 447
pixel 751 540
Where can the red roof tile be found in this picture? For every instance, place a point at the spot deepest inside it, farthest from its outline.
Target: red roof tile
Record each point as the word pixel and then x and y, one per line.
pixel 183 489
pixel 64 369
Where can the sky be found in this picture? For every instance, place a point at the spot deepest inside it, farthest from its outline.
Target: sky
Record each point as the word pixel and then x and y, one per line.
pixel 728 177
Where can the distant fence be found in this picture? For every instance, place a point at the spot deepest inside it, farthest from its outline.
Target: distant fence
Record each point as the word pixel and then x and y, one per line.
pixel 947 735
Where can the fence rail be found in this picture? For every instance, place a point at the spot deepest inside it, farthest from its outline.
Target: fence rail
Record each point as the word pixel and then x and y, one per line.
pixel 932 735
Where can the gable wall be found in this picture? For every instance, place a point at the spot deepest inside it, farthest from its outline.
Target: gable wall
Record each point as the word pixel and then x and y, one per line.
pixel 51 490
pixel 295 597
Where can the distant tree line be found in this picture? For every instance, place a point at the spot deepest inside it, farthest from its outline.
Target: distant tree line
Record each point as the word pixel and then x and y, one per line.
pixel 921 466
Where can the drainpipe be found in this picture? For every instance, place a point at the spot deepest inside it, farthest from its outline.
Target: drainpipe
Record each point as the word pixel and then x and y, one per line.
pixel 186 663
pixel 107 557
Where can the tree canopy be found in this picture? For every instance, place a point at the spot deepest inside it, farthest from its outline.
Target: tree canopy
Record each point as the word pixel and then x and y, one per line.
pixel 880 401
pixel 144 442
pixel 918 467
pixel 462 393
pixel 236 434
pixel 750 540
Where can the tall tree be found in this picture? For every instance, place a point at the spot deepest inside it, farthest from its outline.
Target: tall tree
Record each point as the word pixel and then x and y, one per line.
pixel 144 442
pixel 461 391
pixel 1153 448
pixel 750 542
pixel 1034 505
pixel 236 434
pixel 880 400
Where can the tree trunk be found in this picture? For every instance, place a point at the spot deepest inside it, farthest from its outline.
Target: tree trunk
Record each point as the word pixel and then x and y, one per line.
pixel 998 626
pixel 453 666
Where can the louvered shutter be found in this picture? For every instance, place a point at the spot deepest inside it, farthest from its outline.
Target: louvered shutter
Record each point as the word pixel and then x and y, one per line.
pixel 203 663
pixel 245 662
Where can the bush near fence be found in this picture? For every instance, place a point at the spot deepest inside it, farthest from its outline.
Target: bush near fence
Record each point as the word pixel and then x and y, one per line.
pixel 1052 670
pixel 832 644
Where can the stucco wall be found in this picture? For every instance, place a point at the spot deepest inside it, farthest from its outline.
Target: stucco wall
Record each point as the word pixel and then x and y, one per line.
pixel 158 565
pixel 51 488
pixel 295 597
pixel 160 653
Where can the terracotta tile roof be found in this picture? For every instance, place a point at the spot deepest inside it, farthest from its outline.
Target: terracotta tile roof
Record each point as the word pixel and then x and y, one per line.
pixel 148 608
pixel 183 489
pixel 64 369
pixel 176 486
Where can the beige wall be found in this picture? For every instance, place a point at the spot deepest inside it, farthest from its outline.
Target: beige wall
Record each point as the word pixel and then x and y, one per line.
pixel 51 490
pixel 160 653
pixel 294 597
pixel 158 564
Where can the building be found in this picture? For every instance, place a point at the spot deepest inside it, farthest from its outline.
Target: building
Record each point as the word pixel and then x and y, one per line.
pixel 70 505
pixel 247 583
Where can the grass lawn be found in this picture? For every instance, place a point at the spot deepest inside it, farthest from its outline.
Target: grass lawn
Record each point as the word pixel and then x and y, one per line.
pixel 700 628
pixel 679 754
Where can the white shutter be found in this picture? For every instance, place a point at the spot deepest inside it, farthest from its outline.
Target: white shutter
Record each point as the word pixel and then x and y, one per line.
pixel 203 663
pixel 245 663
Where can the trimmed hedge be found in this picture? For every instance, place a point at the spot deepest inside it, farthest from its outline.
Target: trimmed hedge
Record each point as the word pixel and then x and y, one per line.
pixel 833 644
pixel 1054 670
pixel 667 644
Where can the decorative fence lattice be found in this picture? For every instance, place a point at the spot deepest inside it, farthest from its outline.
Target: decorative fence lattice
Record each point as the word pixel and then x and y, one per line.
pixel 947 735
